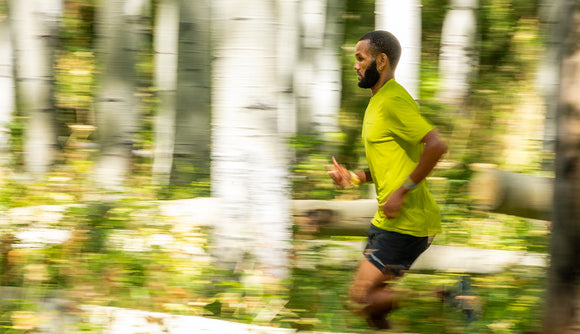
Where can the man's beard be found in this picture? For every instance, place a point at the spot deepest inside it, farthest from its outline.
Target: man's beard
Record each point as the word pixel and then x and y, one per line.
pixel 370 77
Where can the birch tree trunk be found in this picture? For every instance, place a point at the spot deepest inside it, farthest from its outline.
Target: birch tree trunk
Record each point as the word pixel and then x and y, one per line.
pixel 326 94
pixel 249 159
pixel 562 312
pixel 7 98
pixel 35 33
pixel 165 45
pixel 318 78
pixel 192 122
pixel 403 19
pixel 549 73
pixel 288 52
pixel 116 104
pixel 312 22
pixel 458 57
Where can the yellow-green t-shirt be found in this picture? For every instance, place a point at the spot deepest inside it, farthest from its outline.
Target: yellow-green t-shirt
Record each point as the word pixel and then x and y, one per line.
pixel 392 132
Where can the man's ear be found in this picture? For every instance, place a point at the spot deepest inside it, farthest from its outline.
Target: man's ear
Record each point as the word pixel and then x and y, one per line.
pixel 382 62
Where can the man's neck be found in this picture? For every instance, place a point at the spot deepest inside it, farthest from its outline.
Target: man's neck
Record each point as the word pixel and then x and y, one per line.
pixel 382 81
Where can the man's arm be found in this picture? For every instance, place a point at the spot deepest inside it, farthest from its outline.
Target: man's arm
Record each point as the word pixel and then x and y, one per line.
pixel 432 153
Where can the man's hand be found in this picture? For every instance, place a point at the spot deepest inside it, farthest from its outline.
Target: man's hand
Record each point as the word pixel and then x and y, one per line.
pixel 339 174
pixel 394 203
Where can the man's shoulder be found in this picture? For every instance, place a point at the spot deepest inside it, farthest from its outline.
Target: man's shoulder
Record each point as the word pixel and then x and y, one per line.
pixel 394 91
pixel 400 101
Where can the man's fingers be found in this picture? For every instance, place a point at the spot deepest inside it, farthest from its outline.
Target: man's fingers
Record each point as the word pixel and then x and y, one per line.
pixel 390 214
pixel 336 164
pixel 332 174
pixel 392 210
pixel 340 168
pixel 339 174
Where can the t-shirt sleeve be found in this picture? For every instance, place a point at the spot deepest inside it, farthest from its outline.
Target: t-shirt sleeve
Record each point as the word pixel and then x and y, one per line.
pixel 406 122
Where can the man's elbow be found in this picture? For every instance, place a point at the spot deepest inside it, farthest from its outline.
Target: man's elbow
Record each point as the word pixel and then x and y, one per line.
pixel 437 146
pixel 442 148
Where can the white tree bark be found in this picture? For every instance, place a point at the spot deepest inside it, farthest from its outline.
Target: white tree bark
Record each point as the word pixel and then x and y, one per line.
pixel 183 61
pixel 249 159
pixel 318 76
pixel 549 73
pixel 458 55
pixel 403 19
pixel 326 94
pixel 7 89
pixel 312 15
pixel 165 45
pixel 35 32
pixel 288 44
pixel 192 124
pixel 119 39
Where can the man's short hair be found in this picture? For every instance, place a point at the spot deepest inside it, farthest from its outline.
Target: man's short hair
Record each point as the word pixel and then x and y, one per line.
pixel 382 41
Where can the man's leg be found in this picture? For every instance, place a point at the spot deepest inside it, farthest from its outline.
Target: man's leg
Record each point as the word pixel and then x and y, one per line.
pixel 387 256
pixel 370 290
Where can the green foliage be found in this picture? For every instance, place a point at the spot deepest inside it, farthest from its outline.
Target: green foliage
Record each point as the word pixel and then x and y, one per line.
pixel 122 253
pixel 432 16
pixel 78 26
pixel 199 188
pixel 492 298
pixel 319 292
pixel 97 220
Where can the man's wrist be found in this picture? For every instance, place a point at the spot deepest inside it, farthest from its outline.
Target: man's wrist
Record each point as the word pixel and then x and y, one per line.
pixel 354 180
pixel 367 174
pixel 361 176
pixel 409 184
pixel 404 190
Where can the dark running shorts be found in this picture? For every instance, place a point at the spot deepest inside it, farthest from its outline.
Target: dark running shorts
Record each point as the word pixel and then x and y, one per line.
pixel 393 252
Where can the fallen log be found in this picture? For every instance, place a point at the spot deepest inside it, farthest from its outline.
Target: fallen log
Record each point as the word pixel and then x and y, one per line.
pixel 438 258
pixel 315 217
pixel 475 260
pixel 328 218
pixel 515 194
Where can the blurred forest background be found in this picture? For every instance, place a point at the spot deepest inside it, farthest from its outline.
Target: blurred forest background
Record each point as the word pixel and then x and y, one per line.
pixel 109 108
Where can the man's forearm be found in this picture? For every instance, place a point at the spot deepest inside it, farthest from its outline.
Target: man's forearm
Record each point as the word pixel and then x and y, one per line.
pixel 432 153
